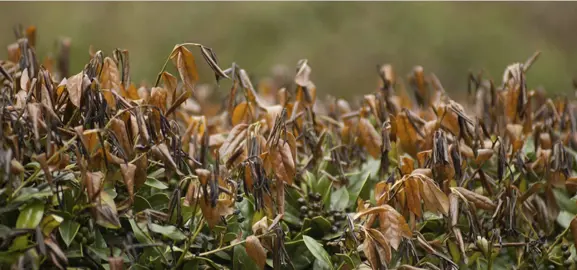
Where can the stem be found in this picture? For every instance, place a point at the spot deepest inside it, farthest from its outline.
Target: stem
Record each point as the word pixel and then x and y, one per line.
pixel 168 59
pixel 162 70
pixel 190 240
pixel 204 254
pixel 558 240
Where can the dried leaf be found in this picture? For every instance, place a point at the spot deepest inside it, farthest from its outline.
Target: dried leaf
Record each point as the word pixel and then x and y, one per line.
pixel 184 62
pixel 256 251
pixel 75 88
pixel 110 81
pixel 435 200
pixel 479 200
pixel 371 254
pixel 128 171
pixel 370 138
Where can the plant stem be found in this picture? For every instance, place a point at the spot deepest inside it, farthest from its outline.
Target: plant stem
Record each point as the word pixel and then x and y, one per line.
pixel 168 59
pixel 190 240
pixel 204 254
pixel 558 240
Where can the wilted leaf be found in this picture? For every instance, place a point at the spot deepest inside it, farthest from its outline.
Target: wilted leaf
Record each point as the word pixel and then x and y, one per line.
pixel 370 138
pixel 74 86
pixel 128 171
pixel 184 62
pixel 255 251
pixel 110 81
pixel 479 200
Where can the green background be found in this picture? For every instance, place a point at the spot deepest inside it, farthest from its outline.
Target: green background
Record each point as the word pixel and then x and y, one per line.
pixel 343 41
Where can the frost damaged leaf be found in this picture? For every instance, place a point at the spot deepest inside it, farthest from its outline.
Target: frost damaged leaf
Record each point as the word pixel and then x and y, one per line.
pixel 186 66
pixel 370 138
pixel 110 81
pixel 256 251
pixel 75 87
pixel 371 254
pixel 381 245
pixel 412 190
pixel 128 171
pixel 479 200
pixel 435 200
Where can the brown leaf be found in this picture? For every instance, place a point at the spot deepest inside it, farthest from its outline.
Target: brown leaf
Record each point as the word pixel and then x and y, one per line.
pixel 381 244
pixel 479 200
pixel 170 84
pixel 163 150
pixel 184 62
pixel 370 138
pixel 287 161
pixel 115 263
pixel 181 98
pixel 243 113
pixel 392 224
pixel 212 215
pixel 406 134
pixel 140 174
pixel 118 127
pixel 158 98
pixel 370 253
pixel 412 191
pixel 256 251
pixel 110 81
pixel 128 171
pixel 434 199
pixel 75 87
pixel 234 139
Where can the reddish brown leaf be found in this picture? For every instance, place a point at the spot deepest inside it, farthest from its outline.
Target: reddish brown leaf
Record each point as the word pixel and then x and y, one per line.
pixel 256 251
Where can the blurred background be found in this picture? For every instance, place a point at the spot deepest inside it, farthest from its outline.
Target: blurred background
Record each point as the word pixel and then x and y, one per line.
pixel 342 41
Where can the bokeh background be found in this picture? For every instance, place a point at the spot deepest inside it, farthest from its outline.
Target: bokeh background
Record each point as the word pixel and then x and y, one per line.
pixel 342 41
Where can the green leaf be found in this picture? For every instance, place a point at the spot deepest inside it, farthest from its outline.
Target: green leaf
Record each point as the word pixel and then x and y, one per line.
pixel 30 216
pixel 301 257
pixel 320 265
pixel 355 187
pixel 340 199
pixel 323 184
pixel 75 252
pixel 140 232
pixel 140 204
pixel 156 174
pixel 565 202
pixel 99 240
pixel 27 194
pixel 317 250
pixel 168 231
pixel 564 218
pixel 68 230
pixel 291 215
pixel 152 182
pixel 347 259
pixel 159 201
pixel 529 149
pixel 49 223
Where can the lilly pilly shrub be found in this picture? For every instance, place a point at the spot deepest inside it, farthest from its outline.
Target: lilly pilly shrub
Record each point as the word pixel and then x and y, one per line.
pixel 99 173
